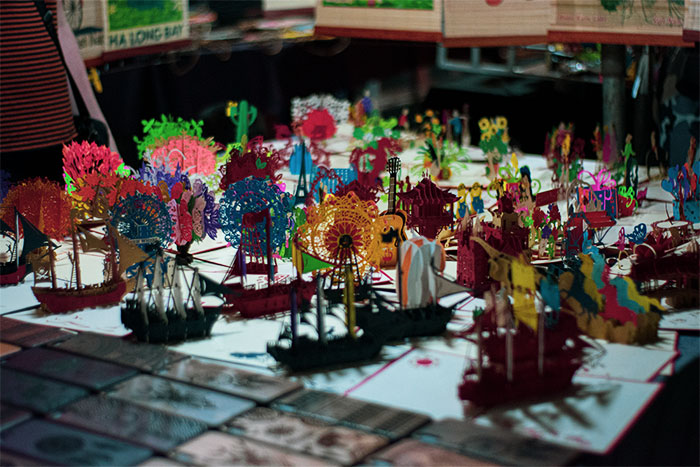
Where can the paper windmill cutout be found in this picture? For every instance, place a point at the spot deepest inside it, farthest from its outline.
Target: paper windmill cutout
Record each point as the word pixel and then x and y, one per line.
pixel 341 231
pixel 143 219
pixel 242 214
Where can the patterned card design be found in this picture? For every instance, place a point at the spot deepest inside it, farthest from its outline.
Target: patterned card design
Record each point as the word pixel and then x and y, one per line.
pixel 69 368
pixel 210 407
pixel 410 452
pixel 36 393
pixel 8 349
pixel 226 378
pixel 494 445
pixel 146 357
pixel 11 416
pixel 59 444
pixel 215 448
pixel 157 430
pixel 28 334
pixel 306 435
pixel 384 421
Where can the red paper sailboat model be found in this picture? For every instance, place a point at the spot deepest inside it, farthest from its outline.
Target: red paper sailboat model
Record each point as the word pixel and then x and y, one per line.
pixel 522 352
pixel 77 295
pixel 248 208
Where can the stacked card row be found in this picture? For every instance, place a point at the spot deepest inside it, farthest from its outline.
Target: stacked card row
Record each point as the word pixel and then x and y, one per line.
pixel 88 399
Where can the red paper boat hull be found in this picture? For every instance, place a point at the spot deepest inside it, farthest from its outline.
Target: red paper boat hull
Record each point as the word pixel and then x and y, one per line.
pixel 66 300
pixel 12 278
pixel 254 303
pixel 493 388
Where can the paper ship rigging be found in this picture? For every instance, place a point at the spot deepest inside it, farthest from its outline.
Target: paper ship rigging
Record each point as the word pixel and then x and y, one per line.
pixel 522 352
pixel 171 310
pixel 304 352
pixel 420 286
pixel 16 267
pixel 76 295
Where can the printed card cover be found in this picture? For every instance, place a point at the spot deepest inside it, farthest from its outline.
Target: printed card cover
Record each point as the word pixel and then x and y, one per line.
pixel 216 448
pixel 384 421
pixel 226 378
pixel 11 416
pixel 69 368
pixel 410 452
pixel 59 444
pixel 146 357
pixel 207 406
pixel 8 349
pixel 36 393
pixel 157 430
pixel 28 334
pixel 499 446
pixel 339 444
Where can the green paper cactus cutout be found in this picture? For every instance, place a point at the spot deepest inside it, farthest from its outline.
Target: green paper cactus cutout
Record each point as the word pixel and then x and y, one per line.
pixel 242 115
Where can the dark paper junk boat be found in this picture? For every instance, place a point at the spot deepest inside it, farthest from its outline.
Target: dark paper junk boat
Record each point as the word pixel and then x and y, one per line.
pixel 171 310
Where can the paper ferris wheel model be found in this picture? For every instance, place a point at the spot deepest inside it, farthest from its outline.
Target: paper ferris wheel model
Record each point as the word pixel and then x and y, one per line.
pixel 341 231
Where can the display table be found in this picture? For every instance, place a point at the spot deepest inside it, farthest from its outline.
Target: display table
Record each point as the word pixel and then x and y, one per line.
pixel 629 405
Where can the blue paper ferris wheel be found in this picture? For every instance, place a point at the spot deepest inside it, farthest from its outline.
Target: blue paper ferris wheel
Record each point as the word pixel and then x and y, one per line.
pixel 243 215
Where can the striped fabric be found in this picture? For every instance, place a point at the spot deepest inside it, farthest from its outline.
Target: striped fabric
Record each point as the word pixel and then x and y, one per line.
pixel 35 109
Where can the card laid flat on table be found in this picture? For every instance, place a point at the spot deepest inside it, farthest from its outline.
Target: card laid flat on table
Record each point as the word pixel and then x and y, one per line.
pixel 10 416
pixel 36 393
pixel 207 406
pixel 500 446
pixel 336 443
pixel 7 349
pixel 226 378
pixel 59 444
pixel 620 361
pixel 161 462
pixel 433 377
pixel 216 448
pixel 591 416
pixel 17 297
pixel 157 430
pixel 681 320
pixel 354 413
pixel 70 368
pixel 102 320
pixel 28 334
pixel 243 342
pixel 10 459
pixel 409 452
pixel 146 357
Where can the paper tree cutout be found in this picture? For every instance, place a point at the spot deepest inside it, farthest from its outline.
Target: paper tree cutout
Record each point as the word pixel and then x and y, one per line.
pixel 158 130
pixel 257 161
pixel 188 153
pixel 43 203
